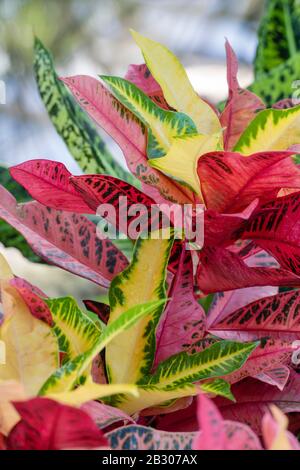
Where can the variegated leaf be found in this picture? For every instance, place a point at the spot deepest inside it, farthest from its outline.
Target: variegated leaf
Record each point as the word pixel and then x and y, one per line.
pixel 163 125
pixel 177 89
pixel 65 239
pixel 79 134
pixel 143 281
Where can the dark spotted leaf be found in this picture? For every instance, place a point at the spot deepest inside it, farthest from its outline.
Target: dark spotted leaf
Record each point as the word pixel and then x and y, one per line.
pixel 274 226
pixel 276 316
pixel 65 239
pixel 71 123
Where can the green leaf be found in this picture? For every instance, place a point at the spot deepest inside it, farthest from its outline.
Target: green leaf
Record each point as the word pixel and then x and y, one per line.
pixel 76 331
pixel 218 387
pixel 67 376
pixel 278 35
pixel 279 83
pixel 71 123
pixel 277 61
pixel 218 360
pixel 162 125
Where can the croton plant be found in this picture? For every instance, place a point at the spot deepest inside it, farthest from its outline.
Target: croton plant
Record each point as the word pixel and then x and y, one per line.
pixel 189 341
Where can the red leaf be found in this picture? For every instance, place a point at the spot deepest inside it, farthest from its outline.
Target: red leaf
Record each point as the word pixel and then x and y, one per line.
pixel 242 105
pixel 260 175
pixel 126 130
pixel 222 270
pixel 102 189
pixel 65 239
pixel 183 321
pixel 100 309
pixel 219 229
pixel 38 308
pixel 277 316
pixel 275 228
pixel 48 182
pixel 48 425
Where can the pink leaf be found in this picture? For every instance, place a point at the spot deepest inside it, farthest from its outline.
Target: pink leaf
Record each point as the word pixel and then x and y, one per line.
pixel 183 321
pixel 126 130
pixel 212 435
pixel 217 434
pixel 277 376
pixel 104 415
pixel 242 105
pixel 141 76
pixel 48 425
pixel 65 239
pixel 277 316
pixel 253 399
pixel 269 354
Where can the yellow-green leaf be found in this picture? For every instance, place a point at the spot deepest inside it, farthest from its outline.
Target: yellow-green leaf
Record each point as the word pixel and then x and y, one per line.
pixel 31 346
pixel 182 159
pixel 92 391
pixel 150 396
pixel 76 331
pixel 218 360
pixel 162 125
pixel 271 129
pixel 177 89
pixel 142 281
pixel 65 378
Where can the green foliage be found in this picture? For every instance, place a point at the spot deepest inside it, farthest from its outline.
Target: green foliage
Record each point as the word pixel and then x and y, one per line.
pixel 71 123
pixel 277 61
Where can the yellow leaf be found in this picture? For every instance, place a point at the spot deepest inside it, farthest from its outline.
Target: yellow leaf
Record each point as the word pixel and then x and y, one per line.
pixel 6 273
pixel 182 159
pixel 281 441
pixel 177 89
pixel 9 417
pixel 31 346
pixel 92 391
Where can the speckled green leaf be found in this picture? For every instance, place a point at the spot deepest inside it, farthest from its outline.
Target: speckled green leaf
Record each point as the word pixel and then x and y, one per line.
pixel 279 83
pixel 71 123
pixel 278 35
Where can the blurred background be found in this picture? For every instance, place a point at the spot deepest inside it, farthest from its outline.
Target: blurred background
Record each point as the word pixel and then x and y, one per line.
pixel 92 37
